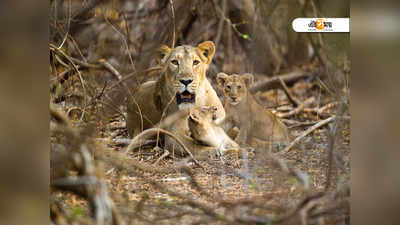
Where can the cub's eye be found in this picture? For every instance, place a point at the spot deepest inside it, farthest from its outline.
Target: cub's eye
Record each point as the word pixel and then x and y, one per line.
pixel 175 62
pixel 228 87
pixel 196 62
pixel 239 87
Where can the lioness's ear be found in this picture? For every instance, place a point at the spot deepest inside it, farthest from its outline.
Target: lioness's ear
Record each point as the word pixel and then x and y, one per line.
pixel 206 51
pixel 248 79
pixel 221 78
pixel 163 54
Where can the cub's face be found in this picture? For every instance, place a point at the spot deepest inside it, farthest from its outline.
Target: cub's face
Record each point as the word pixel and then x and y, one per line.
pixel 201 119
pixel 204 129
pixel 185 69
pixel 234 86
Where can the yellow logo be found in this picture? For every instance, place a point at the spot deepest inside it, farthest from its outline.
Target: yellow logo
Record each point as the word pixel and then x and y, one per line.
pixel 320 24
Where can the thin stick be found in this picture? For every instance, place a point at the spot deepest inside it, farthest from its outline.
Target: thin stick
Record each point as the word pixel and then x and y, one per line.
pixel 134 74
pixel 297 110
pixel 171 2
pixel 110 68
pixel 274 82
pixel 73 43
pixel 305 133
pixel 164 113
pixel 166 153
pixel 332 135
pixel 68 24
pixel 69 58
pixel 152 131
pixel 291 98
pixel 221 21
pixel 125 42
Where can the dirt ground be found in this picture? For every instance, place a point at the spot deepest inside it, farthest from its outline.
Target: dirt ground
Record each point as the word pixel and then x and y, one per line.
pixel 253 176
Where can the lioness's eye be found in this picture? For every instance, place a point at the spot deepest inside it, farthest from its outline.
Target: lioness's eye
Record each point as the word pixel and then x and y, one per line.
pixel 195 62
pixel 239 87
pixel 228 86
pixel 175 62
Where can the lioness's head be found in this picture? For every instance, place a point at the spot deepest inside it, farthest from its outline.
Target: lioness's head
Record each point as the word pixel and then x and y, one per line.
pixel 235 86
pixel 184 69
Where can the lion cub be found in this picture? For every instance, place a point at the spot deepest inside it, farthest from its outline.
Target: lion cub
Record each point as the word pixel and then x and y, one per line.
pixel 245 113
pixel 204 129
pixel 199 132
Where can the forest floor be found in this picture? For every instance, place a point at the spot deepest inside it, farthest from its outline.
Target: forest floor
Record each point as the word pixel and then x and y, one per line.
pixel 262 182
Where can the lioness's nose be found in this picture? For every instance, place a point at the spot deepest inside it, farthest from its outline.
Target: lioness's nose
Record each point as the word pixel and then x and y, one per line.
pixel 186 82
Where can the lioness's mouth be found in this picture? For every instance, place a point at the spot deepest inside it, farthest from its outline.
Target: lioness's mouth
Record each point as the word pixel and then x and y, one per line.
pixel 185 97
pixel 234 102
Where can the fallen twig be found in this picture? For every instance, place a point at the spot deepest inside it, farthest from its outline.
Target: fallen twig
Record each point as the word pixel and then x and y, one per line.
pixel 110 68
pixel 298 109
pixel 305 133
pixel 322 109
pixel 289 95
pixel 165 154
pixel 153 131
pixel 274 82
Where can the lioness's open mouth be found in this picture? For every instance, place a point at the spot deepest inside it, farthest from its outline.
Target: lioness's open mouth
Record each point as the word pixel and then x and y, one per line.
pixel 185 97
pixel 234 102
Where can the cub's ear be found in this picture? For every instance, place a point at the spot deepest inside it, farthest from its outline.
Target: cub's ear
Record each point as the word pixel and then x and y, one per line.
pixel 163 53
pixel 206 51
pixel 248 79
pixel 221 78
pixel 193 115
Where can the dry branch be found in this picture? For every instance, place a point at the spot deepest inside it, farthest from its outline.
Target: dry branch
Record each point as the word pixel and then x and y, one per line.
pixel 136 142
pixel 303 203
pixel 322 109
pixel 186 200
pixel 305 133
pixel 110 68
pixel 274 82
pixel 288 93
pixel 297 110
pixel 86 184
pixel 171 2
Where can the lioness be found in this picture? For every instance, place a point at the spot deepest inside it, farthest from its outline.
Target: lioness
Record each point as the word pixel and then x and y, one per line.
pixel 182 84
pixel 246 114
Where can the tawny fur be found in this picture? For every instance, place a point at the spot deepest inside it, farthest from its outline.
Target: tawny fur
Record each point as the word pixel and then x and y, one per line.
pixel 157 98
pixel 203 128
pixel 255 122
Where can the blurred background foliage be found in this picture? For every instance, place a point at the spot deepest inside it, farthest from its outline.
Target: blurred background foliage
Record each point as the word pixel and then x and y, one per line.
pixel 250 35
